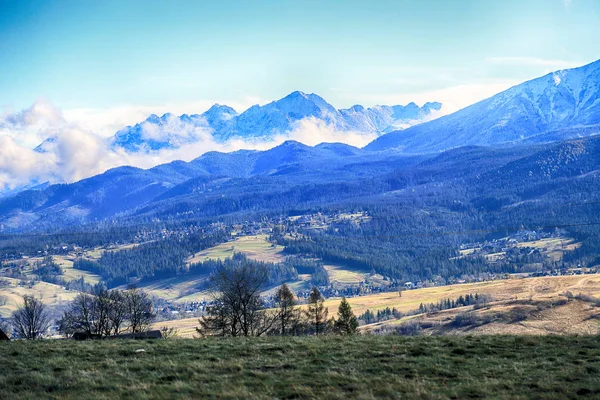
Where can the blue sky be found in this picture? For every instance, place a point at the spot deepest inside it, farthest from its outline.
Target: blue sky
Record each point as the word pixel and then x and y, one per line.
pixel 101 54
pixel 79 70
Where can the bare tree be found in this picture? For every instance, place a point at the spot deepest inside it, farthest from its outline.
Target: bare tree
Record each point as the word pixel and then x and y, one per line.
pixel 81 316
pixel 31 320
pixel 103 310
pixel 118 312
pixel 108 312
pixel 288 313
pixel 4 327
pixel 139 309
pixel 238 309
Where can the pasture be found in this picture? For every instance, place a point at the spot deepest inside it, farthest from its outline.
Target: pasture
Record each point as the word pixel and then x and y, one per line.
pixel 11 296
pixel 366 367
pixel 501 291
pixel 256 247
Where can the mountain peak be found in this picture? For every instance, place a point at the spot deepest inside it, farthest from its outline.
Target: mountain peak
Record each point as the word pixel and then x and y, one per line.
pixel 297 93
pixel 220 108
pixel 279 117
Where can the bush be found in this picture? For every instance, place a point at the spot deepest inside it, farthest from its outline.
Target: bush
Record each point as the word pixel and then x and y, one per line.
pixel 467 318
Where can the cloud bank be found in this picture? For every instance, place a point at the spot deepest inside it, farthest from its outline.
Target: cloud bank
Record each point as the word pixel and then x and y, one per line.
pixel 70 152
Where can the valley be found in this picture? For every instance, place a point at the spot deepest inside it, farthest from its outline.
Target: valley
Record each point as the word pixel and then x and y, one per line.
pixel 431 222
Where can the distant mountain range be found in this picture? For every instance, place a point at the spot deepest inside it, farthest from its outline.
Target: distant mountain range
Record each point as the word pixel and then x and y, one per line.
pixel 263 122
pixel 560 105
pixel 293 176
pixel 506 139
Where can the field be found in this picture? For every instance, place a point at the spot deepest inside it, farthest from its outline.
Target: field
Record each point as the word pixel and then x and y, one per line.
pixel 184 288
pixel 552 248
pixel 531 306
pixel 503 293
pixel 12 296
pixel 70 273
pixel 255 247
pixel 342 276
pixel 179 288
pixel 367 367
pixel 506 289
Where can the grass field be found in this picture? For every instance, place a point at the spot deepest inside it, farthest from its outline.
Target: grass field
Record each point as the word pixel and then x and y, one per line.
pixel 180 288
pixel 506 289
pixel 366 367
pixel 70 273
pixel 343 276
pixel 536 289
pixel 50 294
pixel 255 247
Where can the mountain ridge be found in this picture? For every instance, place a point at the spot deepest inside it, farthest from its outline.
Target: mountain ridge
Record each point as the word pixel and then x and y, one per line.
pixel 278 117
pixel 564 99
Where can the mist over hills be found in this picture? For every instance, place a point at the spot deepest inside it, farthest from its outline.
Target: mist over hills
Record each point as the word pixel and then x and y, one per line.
pixel 294 175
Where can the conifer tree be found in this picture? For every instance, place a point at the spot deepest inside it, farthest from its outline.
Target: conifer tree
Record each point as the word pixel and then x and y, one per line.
pixel 316 312
pixel 288 314
pixel 346 323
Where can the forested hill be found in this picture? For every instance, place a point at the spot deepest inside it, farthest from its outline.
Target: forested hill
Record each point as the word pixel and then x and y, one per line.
pixel 293 176
pixel 419 210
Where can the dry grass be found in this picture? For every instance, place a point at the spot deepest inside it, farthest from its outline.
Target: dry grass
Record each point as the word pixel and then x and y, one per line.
pixel 343 276
pixel 256 247
pixel 537 289
pixel 539 304
pixel 49 293
pixel 70 273
pixel 179 288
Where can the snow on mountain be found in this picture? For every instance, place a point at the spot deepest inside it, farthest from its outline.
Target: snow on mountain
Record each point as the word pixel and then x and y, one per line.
pixel 263 122
pixel 564 103
pixel 387 118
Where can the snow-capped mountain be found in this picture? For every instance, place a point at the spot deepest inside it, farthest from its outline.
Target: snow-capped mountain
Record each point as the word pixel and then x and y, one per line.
pixel 276 118
pixel 559 105
pixel 170 131
pixel 388 118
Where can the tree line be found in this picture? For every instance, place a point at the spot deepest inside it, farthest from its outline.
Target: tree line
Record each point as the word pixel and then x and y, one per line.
pixel 238 309
pixel 102 313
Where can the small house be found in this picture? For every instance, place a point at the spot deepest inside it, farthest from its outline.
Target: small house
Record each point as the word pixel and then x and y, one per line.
pixel 3 336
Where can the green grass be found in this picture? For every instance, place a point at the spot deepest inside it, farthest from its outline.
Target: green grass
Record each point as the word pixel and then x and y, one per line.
pixel 331 367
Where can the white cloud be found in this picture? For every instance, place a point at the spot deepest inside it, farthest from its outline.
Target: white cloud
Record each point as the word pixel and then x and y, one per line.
pixel 31 126
pixel 20 165
pixel 106 121
pixel 312 131
pixel 567 3
pixel 75 153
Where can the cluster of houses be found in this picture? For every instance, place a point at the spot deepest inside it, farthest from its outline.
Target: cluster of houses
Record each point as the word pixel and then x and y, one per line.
pixel 172 310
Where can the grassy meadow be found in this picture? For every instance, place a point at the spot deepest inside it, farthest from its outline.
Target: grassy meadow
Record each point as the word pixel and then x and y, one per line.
pixel 367 367
pixel 255 247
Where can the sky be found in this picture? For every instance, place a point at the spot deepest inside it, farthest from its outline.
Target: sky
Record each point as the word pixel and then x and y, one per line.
pixel 96 66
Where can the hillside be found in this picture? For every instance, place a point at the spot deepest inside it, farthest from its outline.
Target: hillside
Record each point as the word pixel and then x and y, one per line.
pixel 294 175
pixel 561 105
pixel 528 296
pixel 502 367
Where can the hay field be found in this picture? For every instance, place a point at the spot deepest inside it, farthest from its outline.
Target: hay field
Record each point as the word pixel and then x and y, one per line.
pixel 256 247
pixel 528 289
pixel 12 296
